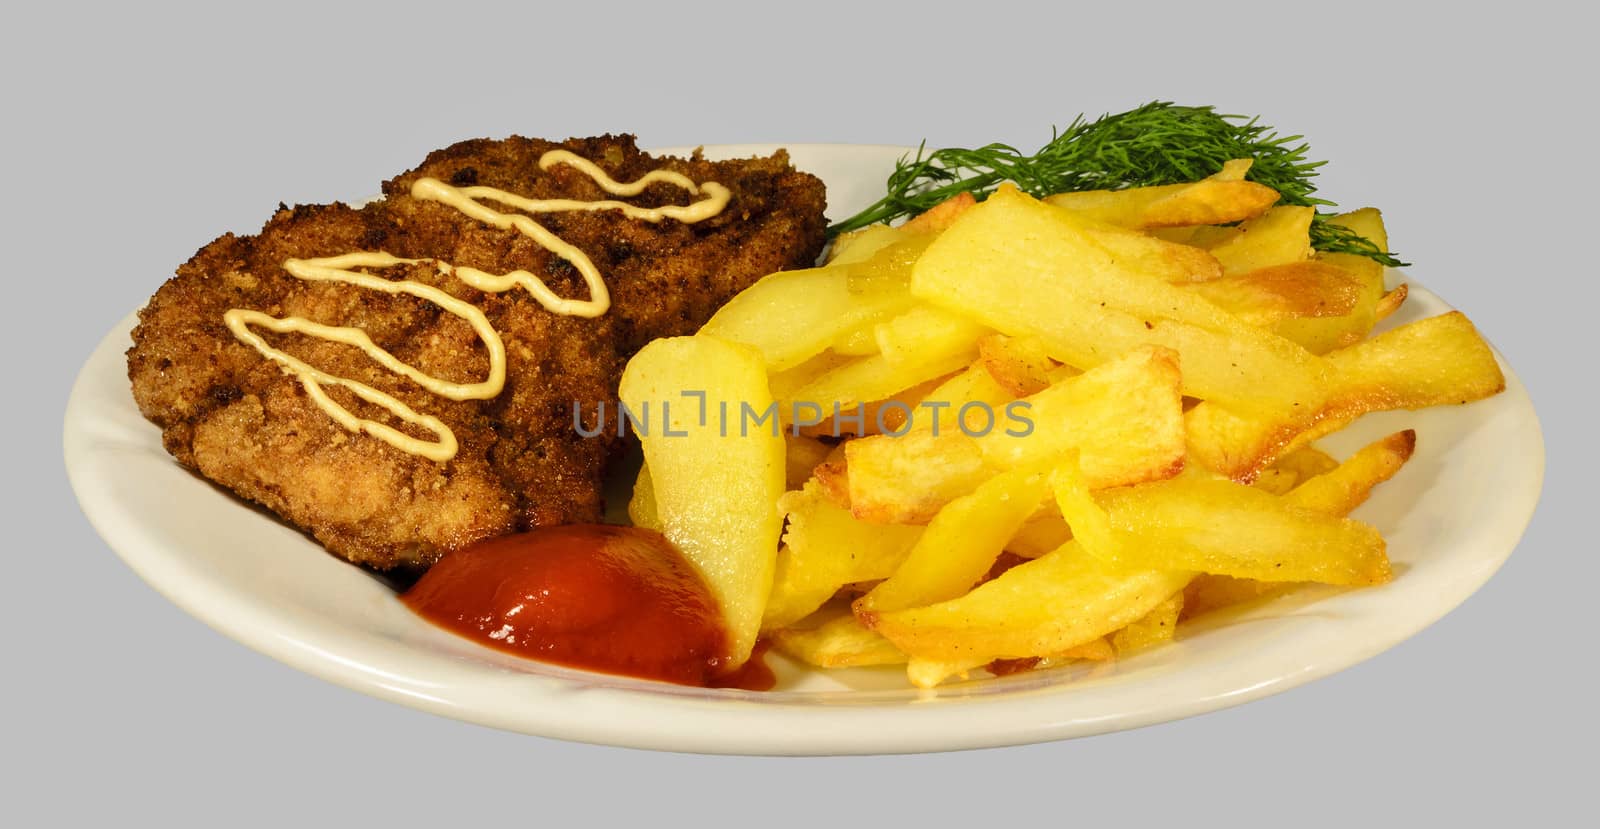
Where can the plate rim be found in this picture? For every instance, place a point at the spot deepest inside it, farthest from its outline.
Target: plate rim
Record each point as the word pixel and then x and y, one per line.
pixel 730 722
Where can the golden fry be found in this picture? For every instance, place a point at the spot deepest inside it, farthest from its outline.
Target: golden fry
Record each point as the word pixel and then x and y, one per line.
pixel 842 642
pixel 961 543
pixel 826 548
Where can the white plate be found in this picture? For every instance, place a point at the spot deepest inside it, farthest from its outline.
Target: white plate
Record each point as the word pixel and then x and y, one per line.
pixel 1452 516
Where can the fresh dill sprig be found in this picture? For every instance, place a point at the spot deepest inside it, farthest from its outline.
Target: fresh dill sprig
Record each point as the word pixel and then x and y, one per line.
pixel 1158 143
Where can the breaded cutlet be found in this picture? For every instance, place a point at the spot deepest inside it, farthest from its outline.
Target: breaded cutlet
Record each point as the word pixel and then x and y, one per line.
pixel 238 419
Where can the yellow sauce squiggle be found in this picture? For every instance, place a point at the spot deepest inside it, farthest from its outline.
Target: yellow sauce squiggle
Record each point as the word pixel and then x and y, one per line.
pixel 467 200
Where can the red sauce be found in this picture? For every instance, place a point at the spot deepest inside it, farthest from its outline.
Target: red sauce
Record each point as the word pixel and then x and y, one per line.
pixel 615 599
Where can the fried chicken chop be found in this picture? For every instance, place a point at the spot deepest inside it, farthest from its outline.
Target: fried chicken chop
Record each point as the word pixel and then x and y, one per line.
pixel 238 419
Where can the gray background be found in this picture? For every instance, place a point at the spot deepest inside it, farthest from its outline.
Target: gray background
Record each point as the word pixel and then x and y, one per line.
pixel 133 136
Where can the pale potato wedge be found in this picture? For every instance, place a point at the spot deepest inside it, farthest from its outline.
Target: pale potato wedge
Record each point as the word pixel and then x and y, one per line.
pixel 729 532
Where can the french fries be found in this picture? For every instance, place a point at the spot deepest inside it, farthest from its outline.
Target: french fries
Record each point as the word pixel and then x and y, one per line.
pixel 1432 362
pixel 961 543
pixel 841 642
pixel 826 548
pixel 1220 199
pixel 1058 601
pixel 1089 307
pixel 1124 418
pixel 1022 433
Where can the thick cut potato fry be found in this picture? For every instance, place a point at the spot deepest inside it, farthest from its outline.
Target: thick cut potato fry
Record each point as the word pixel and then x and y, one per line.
pixel 825 548
pixel 925 334
pixel 728 532
pixel 1021 365
pixel 1279 237
pixel 1210 201
pixel 792 316
pixel 1049 605
pixel 1224 528
pixel 1327 488
pixel 1155 628
pixel 1345 487
pixel 908 479
pixel 1266 296
pixel 961 543
pixel 1025 269
pixel 1430 362
pixel 842 642
pixel 1123 418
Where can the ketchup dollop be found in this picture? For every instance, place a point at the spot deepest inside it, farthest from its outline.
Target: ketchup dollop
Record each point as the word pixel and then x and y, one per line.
pixel 606 598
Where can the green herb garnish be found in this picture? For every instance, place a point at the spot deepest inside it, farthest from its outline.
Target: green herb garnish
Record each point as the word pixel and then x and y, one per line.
pixel 1158 143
